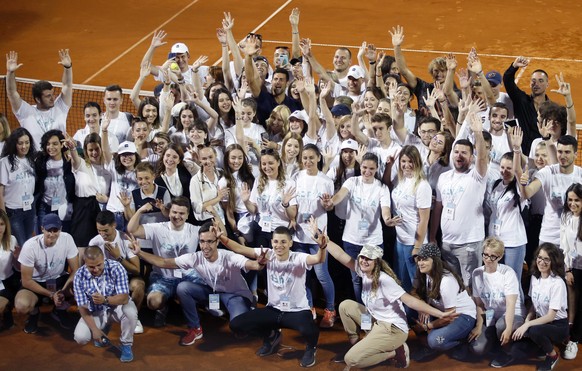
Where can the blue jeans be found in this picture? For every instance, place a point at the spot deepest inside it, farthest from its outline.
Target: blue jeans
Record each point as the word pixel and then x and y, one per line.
pixel 514 257
pixel 405 266
pixel 353 251
pixel 191 293
pixel 21 224
pixel 322 274
pixel 451 335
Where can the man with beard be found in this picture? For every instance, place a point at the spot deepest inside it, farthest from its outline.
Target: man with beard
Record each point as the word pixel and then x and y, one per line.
pixel 459 202
pixel 554 180
pixel 221 272
pixel 266 101
pixel 524 105
pixel 48 113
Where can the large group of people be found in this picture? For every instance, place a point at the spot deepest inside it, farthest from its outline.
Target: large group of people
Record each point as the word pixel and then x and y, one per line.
pixel 239 179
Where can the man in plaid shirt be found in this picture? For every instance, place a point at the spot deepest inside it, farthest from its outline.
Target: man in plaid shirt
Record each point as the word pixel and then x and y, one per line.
pixel 102 295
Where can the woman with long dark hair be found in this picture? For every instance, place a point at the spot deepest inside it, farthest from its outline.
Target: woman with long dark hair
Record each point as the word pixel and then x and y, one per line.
pixel 17 179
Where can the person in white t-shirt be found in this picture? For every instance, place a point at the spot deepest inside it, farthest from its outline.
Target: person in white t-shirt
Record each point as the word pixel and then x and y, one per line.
pixel 221 272
pixel 411 202
pixel 312 184
pixel 92 118
pixel 17 178
pixel 546 322
pixel 459 202
pixel 43 260
pixel 368 203
pixel 553 180
pixel 440 287
pixel 272 198
pixel 48 113
pixel 170 240
pixel 9 276
pixel 287 305
pixel 500 308
pixel 571 245
pixel 381 315
pixel 120 121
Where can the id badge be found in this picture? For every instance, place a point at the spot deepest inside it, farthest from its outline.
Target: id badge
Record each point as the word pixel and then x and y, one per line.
pixel 51 285
pixel 177 273
pixel 363 227
pixel 497 228
pixel 214 301
pixel 449 212
pixel 267 222
pixel 285 303
pixel 489 313
pixel 366 322
pixel 55 203
pixel 27 202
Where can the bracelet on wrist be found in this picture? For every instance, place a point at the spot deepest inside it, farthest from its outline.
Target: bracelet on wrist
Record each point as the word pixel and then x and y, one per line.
pixel 195 70
pixel 69 66
pixel 295 33
pixel 372 62
pixel 285 206
pixel 547 137
pixel 570 106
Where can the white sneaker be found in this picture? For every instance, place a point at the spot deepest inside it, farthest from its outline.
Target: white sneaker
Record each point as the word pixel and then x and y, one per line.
pixel 571 350
pixel 138 327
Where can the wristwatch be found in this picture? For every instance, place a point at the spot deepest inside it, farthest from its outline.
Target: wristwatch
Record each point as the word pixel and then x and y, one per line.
pixel 119 259
pixel 106 300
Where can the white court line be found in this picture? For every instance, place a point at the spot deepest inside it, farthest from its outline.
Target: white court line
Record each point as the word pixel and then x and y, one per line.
pixel 442 52
pixel 259 26
pixel 139 42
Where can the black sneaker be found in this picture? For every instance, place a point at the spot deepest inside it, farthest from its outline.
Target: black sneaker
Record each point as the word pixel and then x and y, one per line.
pixel 160 317
pixel 270 344
pixel 308 358
pixel 548 364
pixel 502 360
pixel 423 354
pixel 31 325
pixel 62 318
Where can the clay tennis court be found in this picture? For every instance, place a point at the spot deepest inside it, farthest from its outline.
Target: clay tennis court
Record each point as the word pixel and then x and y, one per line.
pixel 108 39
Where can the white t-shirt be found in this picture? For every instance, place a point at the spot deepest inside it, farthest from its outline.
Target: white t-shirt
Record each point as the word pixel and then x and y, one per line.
pixel 222 275
pixel 493 288
pixel 269 203
pixel 308 192
pixel 363 225
pixel 48 262
pixel 410 140
pixel 18 184
pixel 38 122
pixel 462 197
pixel 569 242
pixel 81 134
pixel 125 251
pixel 506 222
pixel 169 243
pixel 500 146
pixel 554 186
pixel 54 184
pixel 452 298
pixel 119 127
pixel 549 293
pixel 126 182
pixel 384 304
pixel 6 258
pixel 253 131
pixel 393 151
pixel 405 202
pixel 286 281
pixel 90 179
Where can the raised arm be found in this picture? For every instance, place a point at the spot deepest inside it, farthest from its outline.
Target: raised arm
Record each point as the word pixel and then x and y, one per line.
pixel 67 90
pixel 397 34
pixel 157 41
pixel 225 65
pixel 133 226
pixel 449 83
pixel 305 45
pixel 251 72
pixel 482 158
pixel 11 67
pixel 144 71
pixel 474 65
pixel 168 263
pixel 107 155
pixel 294 21
pixel 564 89
pixel 509 76
pixel 227 25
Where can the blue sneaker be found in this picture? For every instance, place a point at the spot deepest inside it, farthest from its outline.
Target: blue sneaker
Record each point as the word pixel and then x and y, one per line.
pixel 126 354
